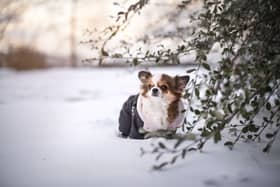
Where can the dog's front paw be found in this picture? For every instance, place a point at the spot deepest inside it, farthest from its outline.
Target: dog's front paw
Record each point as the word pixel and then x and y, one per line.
pixel 122 135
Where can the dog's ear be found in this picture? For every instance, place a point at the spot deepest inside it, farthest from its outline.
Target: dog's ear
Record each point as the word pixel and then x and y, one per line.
pixel 144 76
pixel 181 82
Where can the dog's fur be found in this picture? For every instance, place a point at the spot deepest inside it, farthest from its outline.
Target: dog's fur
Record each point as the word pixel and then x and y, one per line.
pixel 160 96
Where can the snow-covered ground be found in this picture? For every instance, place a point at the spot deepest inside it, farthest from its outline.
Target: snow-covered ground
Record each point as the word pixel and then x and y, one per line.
pixel 58 129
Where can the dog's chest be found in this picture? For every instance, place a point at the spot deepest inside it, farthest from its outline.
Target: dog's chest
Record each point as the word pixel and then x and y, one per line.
pixel 155 113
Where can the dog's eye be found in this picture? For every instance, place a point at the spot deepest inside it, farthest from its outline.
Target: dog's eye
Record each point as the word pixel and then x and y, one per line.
pixel 163 87
pixel 150 86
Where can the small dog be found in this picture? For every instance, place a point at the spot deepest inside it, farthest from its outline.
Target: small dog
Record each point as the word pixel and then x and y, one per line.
pixel 158 106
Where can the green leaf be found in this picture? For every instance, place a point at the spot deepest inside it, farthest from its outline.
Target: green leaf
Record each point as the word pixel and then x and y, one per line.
pixel 192 149
pixel 218 115
pixel 200 145
pixel 190 70
pixel 184 153
pixel 179 142
pixel 245 129
pixel 229 144
pixel 104 53
pixel 161 145
pixel 173 160
pixel 159 156
pixel 252 128
pixel 206 66
pixel 196 91
pixel 157 59
pixel 197 112
pixel 269 135
pixel 142 151
pixel 160 166
pixel 210 123
pixel 229 108
pixel 276 102
pixel 217 136
pixel 268 106
pixel 205 133
pixel 120 13
pixel 135 61
pixel 208 92
pixel 266 149
pixel 186 2
pixel 244 112
pixel 265 119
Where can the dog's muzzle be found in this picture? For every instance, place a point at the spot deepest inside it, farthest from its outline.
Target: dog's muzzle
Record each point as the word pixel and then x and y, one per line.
pixel 155 92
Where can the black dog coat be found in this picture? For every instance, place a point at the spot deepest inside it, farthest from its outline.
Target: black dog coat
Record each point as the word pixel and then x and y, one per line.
pixel 129 119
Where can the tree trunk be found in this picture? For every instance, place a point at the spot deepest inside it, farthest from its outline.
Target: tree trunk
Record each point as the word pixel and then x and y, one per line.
pixel 73 42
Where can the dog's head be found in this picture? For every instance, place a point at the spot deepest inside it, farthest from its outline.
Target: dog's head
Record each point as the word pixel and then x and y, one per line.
pixel 162 85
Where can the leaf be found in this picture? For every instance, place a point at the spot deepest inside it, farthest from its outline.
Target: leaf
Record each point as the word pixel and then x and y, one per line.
pixel 268 106
pixel 268 89
pixel 186 2
pixel 217 136
pixel 120 13
pixel 190 70
pixel 205 133
pixel 179 142
pixel 181 6
pixel 184 153
pixel 135 61
pixel 159 156
pixel 104 53
pixel 161 145
pixel 266 149
pixel 229 108
pixel 142 151
pixel 265 119
pixel 252 128
pixel 160 166
pixel 229 144
pixel 208 92
pixel 192 149
pixel 269 135
pixel 200 145
pixel 276 102
pixel 206 66
pixel 196 91
pixel 218 115
pixel 210 123
pixel 197 112
pixel 173 160
pixel 245 129
pixel 157 59
pixel 155 150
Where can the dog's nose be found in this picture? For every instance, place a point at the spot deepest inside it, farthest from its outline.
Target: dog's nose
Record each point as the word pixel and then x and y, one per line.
pixel 155 91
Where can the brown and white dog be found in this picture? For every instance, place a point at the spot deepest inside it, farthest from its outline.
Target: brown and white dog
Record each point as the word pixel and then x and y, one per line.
pixel 159 103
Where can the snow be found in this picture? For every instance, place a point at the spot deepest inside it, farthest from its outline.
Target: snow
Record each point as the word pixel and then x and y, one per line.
pixel 59 128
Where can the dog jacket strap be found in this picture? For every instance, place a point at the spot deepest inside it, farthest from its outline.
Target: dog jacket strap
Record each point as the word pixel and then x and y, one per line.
pixel 133 107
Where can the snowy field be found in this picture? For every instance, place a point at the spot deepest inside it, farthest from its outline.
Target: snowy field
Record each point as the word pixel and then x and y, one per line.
pixel 58 129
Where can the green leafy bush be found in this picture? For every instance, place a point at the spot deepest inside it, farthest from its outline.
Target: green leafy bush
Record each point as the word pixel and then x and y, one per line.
pixel 237 94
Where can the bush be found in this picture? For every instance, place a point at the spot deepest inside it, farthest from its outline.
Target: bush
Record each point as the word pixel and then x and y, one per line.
pixel 25 58
pixel 237 94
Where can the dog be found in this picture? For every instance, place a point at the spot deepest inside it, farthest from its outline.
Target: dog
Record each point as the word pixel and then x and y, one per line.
pixel 158 106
